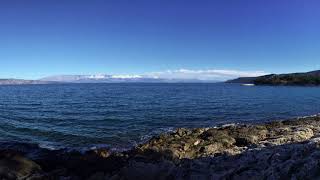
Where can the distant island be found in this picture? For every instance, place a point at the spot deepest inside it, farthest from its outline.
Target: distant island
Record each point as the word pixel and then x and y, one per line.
pixel 311 78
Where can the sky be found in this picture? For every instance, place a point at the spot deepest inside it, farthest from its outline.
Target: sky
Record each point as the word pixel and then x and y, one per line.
pixel 245 37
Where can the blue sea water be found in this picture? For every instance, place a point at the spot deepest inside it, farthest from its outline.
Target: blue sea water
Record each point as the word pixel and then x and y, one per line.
pixel 122 115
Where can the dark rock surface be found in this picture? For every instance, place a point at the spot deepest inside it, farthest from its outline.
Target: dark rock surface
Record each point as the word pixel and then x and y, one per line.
pixel 277 150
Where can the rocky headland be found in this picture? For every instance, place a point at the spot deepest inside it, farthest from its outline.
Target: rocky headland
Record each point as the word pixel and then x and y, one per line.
pixel 311 78
pixel 287 149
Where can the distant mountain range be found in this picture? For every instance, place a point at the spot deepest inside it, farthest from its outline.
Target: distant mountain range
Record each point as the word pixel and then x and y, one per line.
pixel 307 78
pixel 97 79
pixel 22 81
pixel 103 78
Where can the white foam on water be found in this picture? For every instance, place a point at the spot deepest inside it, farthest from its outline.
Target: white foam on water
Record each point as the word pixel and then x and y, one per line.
pixel 314 115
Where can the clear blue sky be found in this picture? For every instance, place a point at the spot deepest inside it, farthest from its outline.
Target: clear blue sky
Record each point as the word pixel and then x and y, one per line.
pixel 49 37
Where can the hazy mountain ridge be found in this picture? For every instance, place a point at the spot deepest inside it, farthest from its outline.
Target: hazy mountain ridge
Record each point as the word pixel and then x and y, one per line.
pixel 104 78
pixel 22 81
pixel 74 78
pixel 307 78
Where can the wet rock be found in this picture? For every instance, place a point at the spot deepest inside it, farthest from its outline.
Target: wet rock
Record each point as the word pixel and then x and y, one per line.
pixel 13 165
pixel 104 153
pixel 183 132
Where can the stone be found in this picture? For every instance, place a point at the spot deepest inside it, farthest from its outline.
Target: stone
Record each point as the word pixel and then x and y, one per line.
pixel 210 149
pixel 196 143
pixel 186 147
pixel 183 132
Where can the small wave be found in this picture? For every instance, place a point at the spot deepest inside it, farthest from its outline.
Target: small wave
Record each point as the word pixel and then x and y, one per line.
pixel 156 132
pixel 314 115
pixel 49 146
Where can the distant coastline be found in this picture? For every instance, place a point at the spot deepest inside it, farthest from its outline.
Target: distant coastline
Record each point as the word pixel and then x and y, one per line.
pixel 311 78
pixel 98 79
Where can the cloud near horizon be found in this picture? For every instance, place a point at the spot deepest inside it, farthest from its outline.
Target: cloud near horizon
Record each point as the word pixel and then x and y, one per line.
pixel 210 74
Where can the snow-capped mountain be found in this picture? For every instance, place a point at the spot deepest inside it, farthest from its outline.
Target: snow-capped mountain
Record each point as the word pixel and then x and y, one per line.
pixel 100 78
pixel 104 78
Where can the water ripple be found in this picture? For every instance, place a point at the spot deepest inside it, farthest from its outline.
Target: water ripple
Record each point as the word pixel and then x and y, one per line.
pixel 122 115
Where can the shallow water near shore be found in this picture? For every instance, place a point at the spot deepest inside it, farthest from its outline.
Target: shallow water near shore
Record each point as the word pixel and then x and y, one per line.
pixel 122 115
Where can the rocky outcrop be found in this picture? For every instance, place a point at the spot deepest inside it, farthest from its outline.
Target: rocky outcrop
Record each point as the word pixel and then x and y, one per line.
pixel 276 150
pixel 231 140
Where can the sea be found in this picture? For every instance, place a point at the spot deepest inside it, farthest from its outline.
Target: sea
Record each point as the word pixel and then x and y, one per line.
pixel 122 115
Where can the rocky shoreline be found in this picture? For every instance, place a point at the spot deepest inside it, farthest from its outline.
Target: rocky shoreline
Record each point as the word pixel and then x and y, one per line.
pixel 287 149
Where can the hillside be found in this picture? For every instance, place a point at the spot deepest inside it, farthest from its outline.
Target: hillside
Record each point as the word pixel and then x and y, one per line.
pixel 309 78
pixel 243 80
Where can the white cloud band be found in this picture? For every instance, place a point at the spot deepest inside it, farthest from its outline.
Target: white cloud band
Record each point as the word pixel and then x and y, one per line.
pixel 210 74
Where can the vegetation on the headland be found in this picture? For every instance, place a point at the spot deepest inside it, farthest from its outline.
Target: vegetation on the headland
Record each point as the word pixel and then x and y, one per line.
pixel 300 79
